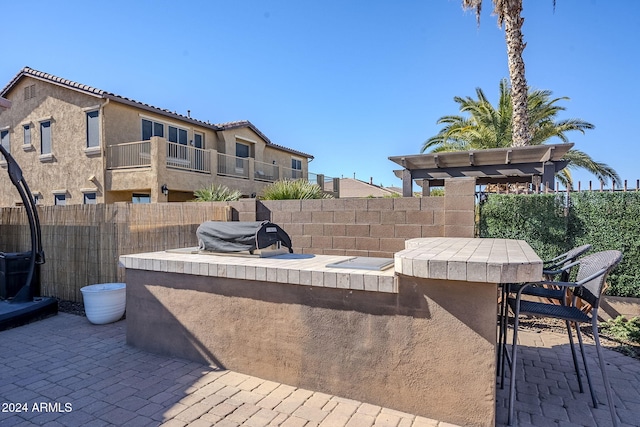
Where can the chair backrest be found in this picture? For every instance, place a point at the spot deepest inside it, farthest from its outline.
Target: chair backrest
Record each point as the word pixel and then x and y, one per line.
pixel 567 258
pixel 574 253
pixel 590 265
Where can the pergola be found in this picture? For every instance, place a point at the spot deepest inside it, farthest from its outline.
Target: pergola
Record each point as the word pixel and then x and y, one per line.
pixel 531 164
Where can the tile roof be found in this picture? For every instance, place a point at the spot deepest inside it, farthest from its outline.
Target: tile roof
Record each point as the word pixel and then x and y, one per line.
pixel 351 187
pixel 27 71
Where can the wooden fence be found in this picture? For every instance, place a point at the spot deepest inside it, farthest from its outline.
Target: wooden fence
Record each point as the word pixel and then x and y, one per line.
pixel 82 243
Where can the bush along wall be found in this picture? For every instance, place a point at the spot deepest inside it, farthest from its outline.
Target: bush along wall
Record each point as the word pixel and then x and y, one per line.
pixel 538 219
pixel 555 223
pixel 610 221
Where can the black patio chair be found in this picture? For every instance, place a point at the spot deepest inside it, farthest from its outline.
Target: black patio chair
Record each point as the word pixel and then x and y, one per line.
pixel 592 272
pixel 558 267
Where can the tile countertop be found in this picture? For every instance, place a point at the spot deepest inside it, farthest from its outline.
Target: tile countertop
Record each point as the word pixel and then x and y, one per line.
pixel 295 269
pixel 469 259
pixel 463 259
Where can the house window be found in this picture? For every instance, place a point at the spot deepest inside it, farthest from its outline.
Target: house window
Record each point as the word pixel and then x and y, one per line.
pixel 89 198
pixel 296 166
pixel 93 129
pixel 27 134
pixel 4 140
pixel 177 135
pixel 30 92
pixel 150 129
pixel 45 137
pixel 60 199
pixel 198 140
pixel 141 198
pixel 242 150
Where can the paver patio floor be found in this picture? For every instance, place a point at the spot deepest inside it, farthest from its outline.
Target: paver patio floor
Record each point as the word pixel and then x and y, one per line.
pixel 79 374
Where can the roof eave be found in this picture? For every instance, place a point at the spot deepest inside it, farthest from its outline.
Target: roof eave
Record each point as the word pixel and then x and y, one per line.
pixel 248 124
pixel 50 78
pixel 160 111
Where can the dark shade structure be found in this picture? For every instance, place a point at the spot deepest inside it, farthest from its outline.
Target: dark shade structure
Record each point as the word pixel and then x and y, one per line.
pixel 532 164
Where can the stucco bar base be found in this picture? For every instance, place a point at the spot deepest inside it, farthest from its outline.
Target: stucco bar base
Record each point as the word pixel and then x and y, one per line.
pixel 428 349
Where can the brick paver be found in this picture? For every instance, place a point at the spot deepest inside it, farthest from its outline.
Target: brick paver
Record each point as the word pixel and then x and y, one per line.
pixel 65 359
pixel 547 388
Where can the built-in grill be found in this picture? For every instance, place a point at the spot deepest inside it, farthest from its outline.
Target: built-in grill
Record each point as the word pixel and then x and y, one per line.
pixel 238 236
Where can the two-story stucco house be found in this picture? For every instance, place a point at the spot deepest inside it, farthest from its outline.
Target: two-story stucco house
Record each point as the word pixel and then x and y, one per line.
pixel 77 144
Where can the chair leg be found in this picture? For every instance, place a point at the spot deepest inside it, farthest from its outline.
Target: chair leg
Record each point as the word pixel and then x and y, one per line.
pixel 503 356
pixel 514 354
pixel 586 367
pixel 500 330
pixel 605 378
pixel 502 345
pixel 575 356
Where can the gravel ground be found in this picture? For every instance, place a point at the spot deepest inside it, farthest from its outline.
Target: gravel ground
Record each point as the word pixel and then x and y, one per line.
pixel 71 307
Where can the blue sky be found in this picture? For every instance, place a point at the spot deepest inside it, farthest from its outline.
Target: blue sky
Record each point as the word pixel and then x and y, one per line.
pixel 351 82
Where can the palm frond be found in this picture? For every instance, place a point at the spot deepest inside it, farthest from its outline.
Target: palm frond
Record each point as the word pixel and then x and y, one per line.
pixel 602 171
pixel 481 125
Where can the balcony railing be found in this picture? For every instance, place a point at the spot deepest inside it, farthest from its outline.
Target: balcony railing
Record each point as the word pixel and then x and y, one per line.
pixel 141 154
pixel 288 173
pixel 329 185
pixel 233 166
pixel 265 171
pixel 129 155
pixel 188 158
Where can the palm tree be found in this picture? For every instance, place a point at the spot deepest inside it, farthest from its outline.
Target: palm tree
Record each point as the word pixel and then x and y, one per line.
pixel 487 127
pixel 508 12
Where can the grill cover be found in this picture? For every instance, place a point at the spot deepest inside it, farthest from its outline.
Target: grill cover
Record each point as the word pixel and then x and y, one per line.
pixel 234 236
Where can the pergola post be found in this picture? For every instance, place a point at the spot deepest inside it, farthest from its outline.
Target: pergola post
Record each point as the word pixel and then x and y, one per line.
pixel 426 188
pixel 407 183
pixel 548 176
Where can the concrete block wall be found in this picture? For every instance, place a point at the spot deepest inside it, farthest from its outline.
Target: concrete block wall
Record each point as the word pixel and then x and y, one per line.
pixel 367 226
pixel 459 207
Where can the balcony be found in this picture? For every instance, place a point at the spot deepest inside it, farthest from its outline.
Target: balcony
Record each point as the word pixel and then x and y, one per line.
pixel 138 155
pixel 129 155
pixel 147 165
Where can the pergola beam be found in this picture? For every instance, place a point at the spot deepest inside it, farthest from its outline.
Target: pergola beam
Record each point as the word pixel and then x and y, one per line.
pixel 499 165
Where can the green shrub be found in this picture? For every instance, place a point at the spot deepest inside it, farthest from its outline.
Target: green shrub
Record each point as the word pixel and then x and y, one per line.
pixel 623 329
pixel 291 190
pixel 610 221
pixel 216 193
pixel 539 219
pixel 552 226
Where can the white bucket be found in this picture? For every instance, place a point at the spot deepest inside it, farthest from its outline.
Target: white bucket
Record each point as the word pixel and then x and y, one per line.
pixel 104 302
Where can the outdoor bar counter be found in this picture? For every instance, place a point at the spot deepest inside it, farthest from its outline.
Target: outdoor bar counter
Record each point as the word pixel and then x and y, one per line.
pixel 419 337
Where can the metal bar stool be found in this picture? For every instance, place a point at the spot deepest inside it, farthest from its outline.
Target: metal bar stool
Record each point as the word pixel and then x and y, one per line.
pixel 592 272
pixel 559 267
